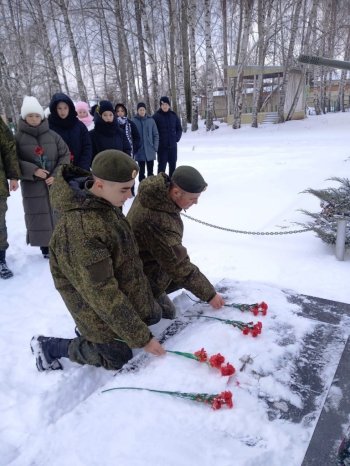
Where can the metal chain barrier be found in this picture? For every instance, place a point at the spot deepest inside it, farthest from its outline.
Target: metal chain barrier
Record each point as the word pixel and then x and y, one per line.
pixel 265 233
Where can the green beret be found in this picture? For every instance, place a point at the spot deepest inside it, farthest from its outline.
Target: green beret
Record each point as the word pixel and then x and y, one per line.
pixel 114 165
pixel 189 179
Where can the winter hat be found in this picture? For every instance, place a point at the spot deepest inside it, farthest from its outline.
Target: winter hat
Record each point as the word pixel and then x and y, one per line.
pixel 164 100
pixel 121 106
pixel 104 106
pixel 189 179
pixel 88 119
pixel 93 109
pixel 60 97
pixel 141 105
pixel 114 165
pixel 82 106
pixel 31 105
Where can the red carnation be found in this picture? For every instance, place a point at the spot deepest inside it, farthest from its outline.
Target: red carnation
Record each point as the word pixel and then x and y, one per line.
pixel 201 355
pixel 216 360
pixel 227 370
pixel 263 306
pixel 224 398
pixel 39 151
pixel 71 157
pixel 216 403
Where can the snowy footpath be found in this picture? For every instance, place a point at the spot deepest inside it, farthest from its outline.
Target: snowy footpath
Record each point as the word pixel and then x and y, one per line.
pixel 256 179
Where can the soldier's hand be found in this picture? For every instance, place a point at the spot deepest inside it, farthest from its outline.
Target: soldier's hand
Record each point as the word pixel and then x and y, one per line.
pixel 217 302
pixel 49 180
pixel 154 347
pixel 13 185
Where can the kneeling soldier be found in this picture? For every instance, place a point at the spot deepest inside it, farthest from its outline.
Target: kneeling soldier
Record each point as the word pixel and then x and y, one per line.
pixel 158 228
pixel 97 270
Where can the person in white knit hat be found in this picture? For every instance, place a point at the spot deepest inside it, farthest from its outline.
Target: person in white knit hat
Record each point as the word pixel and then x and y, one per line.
pixel 40 152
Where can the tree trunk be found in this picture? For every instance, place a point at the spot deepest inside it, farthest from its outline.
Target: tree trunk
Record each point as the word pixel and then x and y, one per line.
pixel 224 52
pixel 209 67
pixel 194 103
pixel 59 49
pixel 305 50
pixel 181 91
pixel 105 32
pixel 238 105
pixel 125 53
pixel 138 15
pixel 5 83
pixel 185 57
pixel 293 33
pixel 86 40
pixel 80 83
pixel 172 23
pixel 261 61
pixel 152 61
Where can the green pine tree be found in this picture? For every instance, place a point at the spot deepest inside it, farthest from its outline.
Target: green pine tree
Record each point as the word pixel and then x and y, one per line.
pixel 335 203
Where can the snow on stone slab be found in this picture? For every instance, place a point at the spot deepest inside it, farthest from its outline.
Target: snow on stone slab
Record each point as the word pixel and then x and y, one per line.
pixel 270 424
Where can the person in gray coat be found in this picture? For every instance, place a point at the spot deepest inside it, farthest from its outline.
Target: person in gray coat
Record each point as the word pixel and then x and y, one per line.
pixel 40 152
pixel 146 153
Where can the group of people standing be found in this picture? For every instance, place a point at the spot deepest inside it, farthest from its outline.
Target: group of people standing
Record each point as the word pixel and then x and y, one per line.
pixel 71 134
pixel 113 272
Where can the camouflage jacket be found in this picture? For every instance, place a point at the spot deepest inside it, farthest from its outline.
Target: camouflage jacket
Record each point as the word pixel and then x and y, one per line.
pixel 95 264
pixel 157 225
pixel 9 167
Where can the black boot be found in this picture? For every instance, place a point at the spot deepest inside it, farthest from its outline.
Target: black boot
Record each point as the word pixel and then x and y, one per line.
pixel 5 272
pixel 45 252
pixel 48 351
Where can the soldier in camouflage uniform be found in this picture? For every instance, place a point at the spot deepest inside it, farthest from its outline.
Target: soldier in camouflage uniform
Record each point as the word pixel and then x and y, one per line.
pixel 155 219
pixel 97 270
pixel 9 170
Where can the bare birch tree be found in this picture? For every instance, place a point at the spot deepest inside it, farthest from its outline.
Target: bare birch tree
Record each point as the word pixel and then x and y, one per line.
pixel 138 15
pixel 209 117
pixel 247 6
pixel 152 60
pixel 192 28
pixel 79 78
pixel 289 59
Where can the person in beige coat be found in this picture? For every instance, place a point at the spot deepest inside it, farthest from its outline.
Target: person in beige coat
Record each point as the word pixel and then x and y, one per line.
pixel 40 152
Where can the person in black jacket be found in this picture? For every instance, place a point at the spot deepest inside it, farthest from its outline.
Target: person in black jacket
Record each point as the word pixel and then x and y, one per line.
pixel 170 132
pixel 129 128
pixel 107 134
pixel 63 120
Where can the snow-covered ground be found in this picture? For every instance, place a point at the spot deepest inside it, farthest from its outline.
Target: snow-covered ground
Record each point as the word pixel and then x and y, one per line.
pixel 255 182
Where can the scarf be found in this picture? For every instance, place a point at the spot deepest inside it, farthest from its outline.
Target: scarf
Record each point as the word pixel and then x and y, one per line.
pixel 126 127
pixel 87 120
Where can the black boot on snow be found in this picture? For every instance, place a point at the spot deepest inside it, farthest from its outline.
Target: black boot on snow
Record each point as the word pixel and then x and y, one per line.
pixel 5 272
pixel 48 351
pixel 45 252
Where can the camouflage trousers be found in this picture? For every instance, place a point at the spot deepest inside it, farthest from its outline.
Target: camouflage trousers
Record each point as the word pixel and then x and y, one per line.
pixel 3 230
pixel 111 355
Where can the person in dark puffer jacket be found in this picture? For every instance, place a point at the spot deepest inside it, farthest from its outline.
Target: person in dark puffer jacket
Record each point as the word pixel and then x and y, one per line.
pixel 64 121
pixel 170 132
pixel 107 134
pixel 40 152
